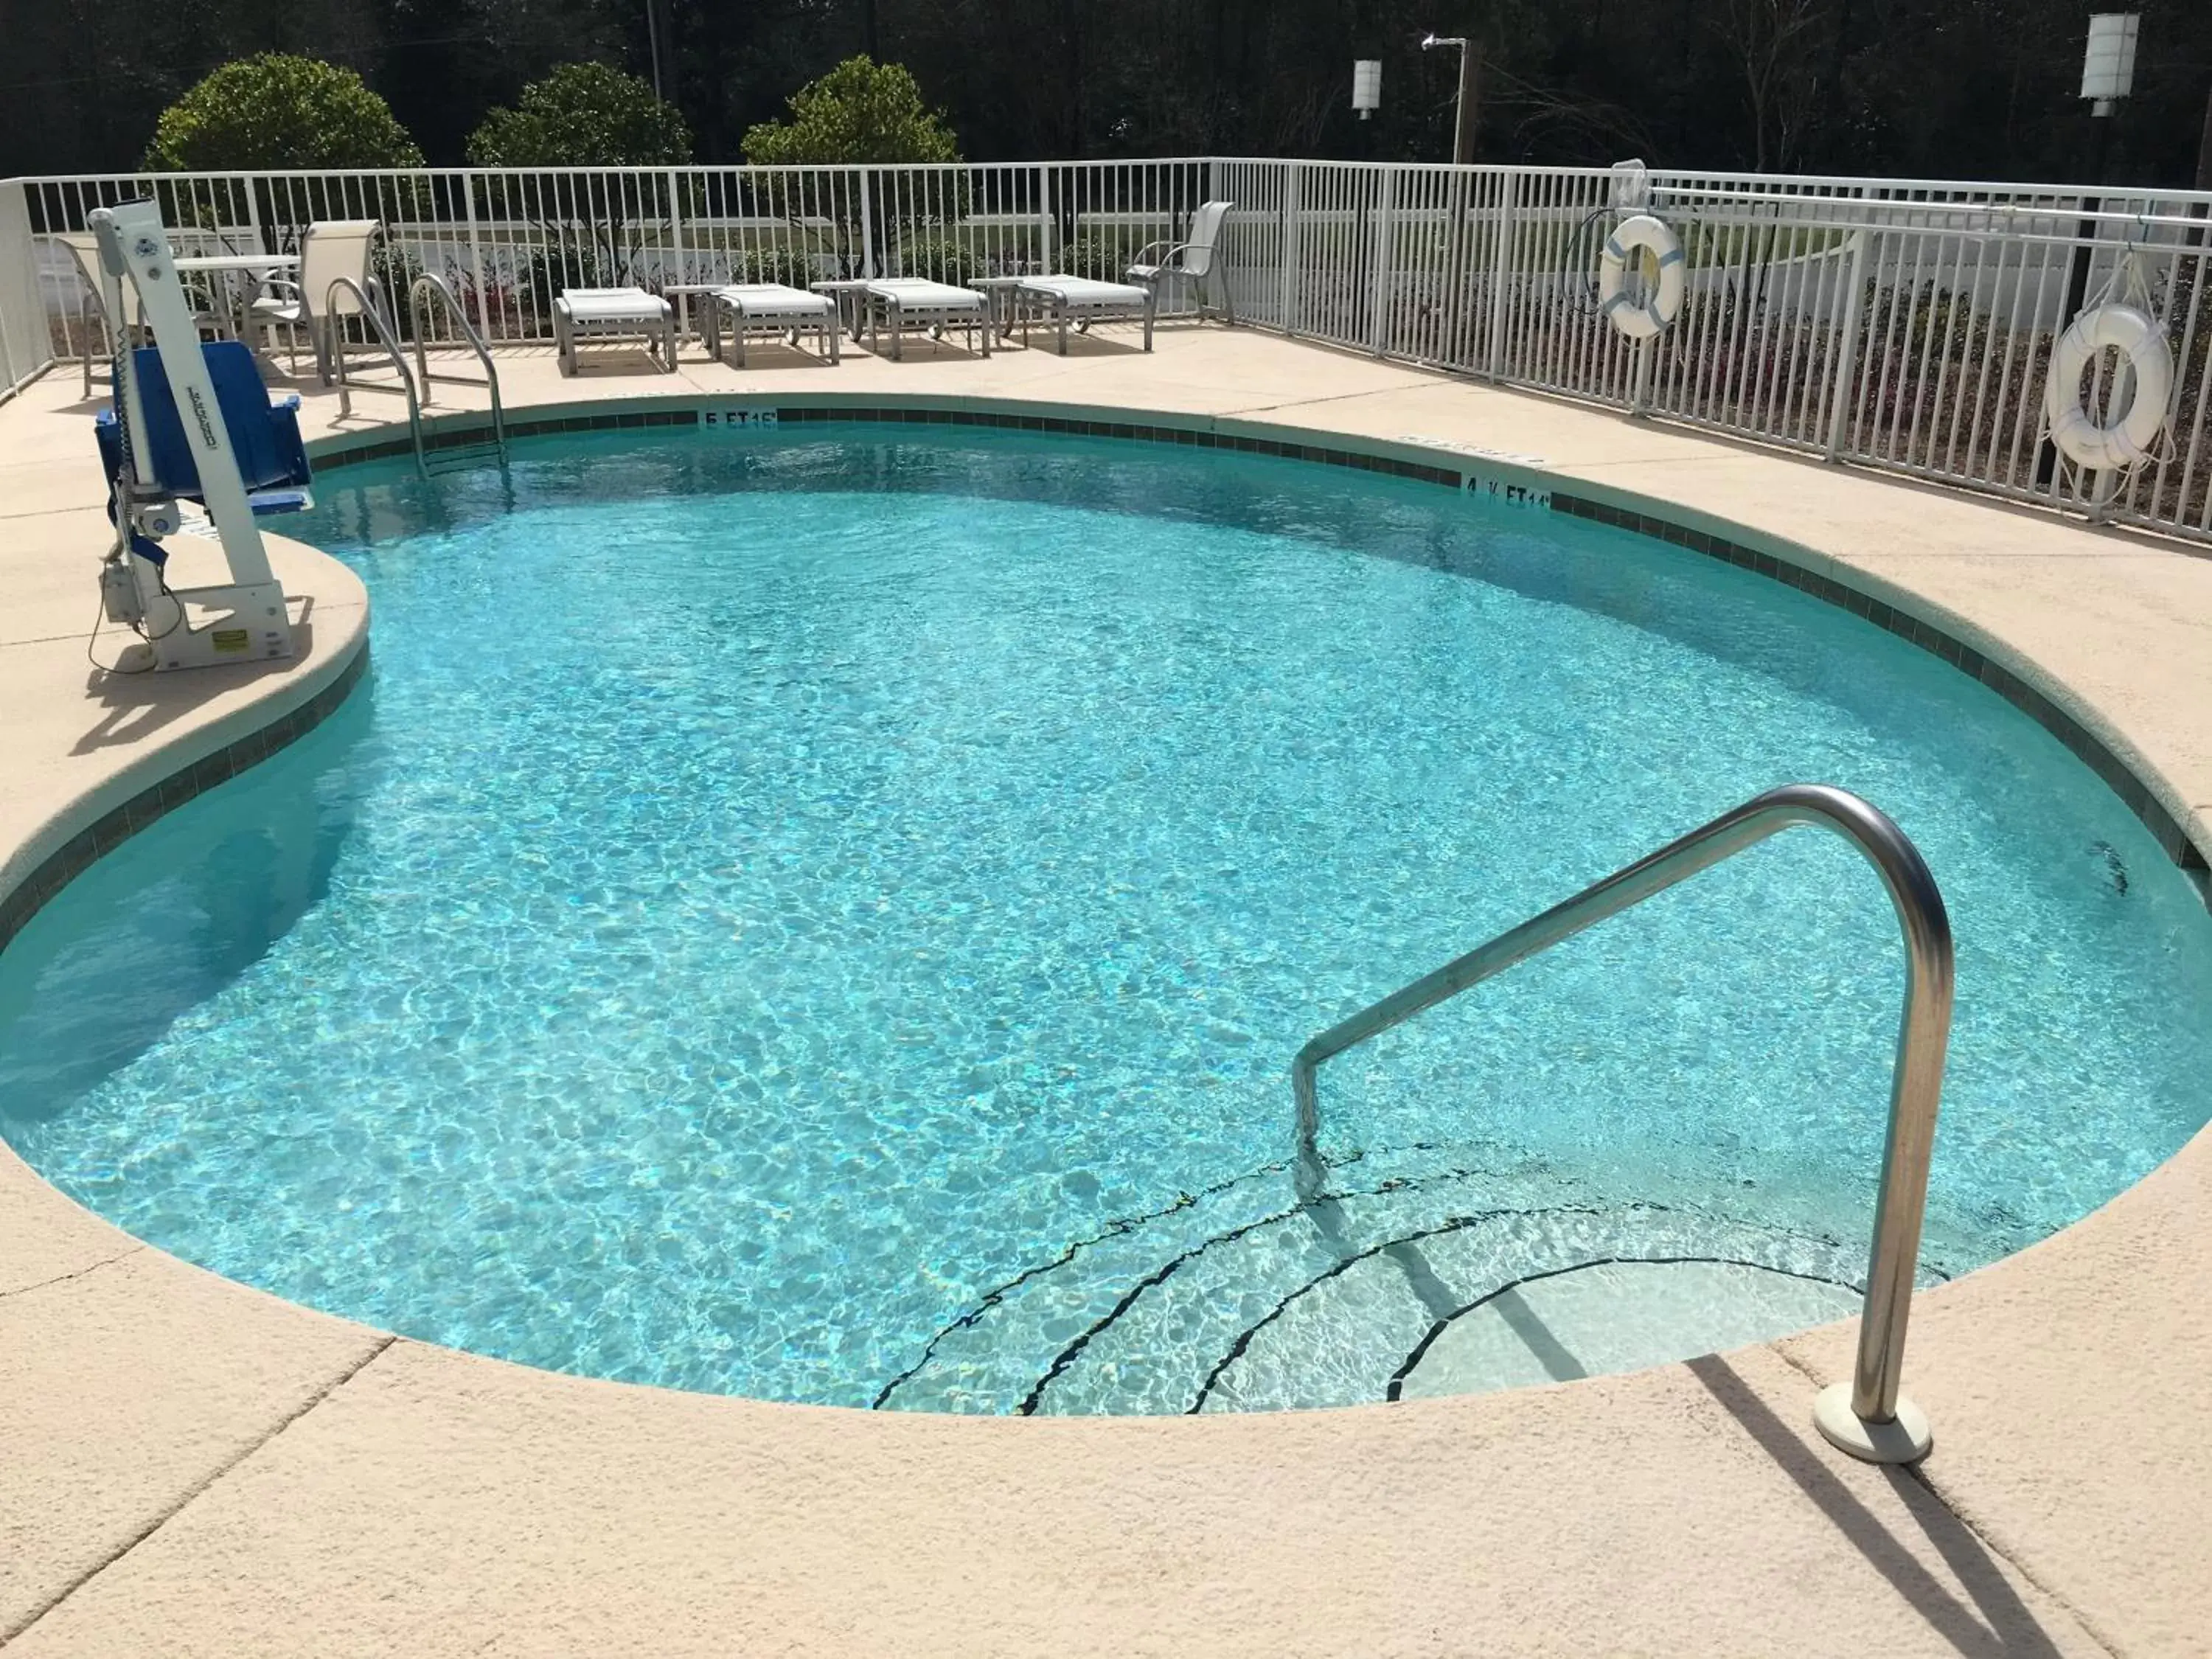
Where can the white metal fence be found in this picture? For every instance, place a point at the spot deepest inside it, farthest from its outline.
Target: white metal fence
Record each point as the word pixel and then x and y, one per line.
pixel 1901 324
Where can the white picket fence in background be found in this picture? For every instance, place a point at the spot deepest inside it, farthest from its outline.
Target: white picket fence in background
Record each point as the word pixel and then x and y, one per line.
pixel 1898 323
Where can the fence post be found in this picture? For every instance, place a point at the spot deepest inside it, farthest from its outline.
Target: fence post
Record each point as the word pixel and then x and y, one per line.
pixel 1379 301
pixel 1047 255
pixel 475 256
pixel 26 339
pixel 867 223
pixel 253 214
pixel 1289 301
pixel 1847 357
pixel 676 223
pixel 1501 269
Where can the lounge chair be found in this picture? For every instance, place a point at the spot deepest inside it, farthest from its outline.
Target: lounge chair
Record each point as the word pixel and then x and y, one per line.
pixel 329 249
pixel 613 313
pixel 915 302
pixel 770 308
pixel 1194 257
pixel 1084 302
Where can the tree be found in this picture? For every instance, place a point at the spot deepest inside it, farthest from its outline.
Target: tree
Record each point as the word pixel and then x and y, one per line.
pixel 860 111
pixel 582 115
pixel 585 115
pixel 277 111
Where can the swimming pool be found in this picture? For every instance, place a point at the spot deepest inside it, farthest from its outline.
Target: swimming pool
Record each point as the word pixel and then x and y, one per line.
pixel 829 920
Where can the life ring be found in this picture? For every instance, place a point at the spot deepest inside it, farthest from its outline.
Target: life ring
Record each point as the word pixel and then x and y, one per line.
pixel 2120 443
pixel 1640 233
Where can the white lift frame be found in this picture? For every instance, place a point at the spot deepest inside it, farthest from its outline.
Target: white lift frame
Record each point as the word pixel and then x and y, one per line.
pixel 245 619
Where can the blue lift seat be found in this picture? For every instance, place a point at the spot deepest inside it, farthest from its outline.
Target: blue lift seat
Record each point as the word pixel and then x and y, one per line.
pixel 264 436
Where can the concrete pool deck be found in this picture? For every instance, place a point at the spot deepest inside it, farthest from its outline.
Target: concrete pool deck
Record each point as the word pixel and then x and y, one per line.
pixel 195 1467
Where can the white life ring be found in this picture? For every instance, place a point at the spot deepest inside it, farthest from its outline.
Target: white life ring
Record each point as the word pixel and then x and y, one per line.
pixel 2119 444
pixel 1644 233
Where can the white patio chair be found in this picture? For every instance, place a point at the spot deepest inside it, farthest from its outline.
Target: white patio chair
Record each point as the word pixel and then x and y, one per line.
pixel 909 303
pixel 1194 258
pixel 1082 301
pixel 613 313
pixel 329 249
pixel 770 308
pixel 92 329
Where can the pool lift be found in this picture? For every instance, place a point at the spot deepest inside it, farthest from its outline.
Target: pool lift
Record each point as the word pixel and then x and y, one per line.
pixel 239 456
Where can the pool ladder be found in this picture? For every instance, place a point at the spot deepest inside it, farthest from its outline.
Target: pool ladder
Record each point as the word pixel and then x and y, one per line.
pixel 427 287
pixel 365 305
pixel 1866 1416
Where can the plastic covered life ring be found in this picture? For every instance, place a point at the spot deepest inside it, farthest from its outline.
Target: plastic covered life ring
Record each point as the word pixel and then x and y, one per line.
pixel 2118 443
pixel 1640 233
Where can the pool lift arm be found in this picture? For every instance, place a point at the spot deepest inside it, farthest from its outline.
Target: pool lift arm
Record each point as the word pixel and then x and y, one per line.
pixel 183 414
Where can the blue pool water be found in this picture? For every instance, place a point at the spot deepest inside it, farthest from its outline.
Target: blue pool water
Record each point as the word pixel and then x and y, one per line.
pixel 770 894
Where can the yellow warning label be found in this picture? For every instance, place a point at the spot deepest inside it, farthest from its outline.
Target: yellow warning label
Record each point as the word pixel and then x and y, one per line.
pixel 229 639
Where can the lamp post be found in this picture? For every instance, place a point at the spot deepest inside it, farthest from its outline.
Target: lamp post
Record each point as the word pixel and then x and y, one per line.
pixel 1467 105
pixel 2108 75
pixel 1366 86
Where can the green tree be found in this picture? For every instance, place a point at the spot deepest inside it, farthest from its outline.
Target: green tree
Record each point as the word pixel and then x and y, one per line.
pixel 860 111
pixel 275 110
pixel 582 115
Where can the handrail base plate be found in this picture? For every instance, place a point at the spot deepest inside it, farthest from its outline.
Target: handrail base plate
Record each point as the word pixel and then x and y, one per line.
pixel 1905 1439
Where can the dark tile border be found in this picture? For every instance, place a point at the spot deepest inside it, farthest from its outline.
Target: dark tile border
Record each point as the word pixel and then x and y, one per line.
pixel 118 825
pixel 695 411
pixel 2085 746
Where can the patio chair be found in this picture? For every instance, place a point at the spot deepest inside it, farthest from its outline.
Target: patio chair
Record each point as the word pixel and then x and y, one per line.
pixel 329 249
pixel 770 308
pixel 909 303
pixel 613 313
pixel 88 318
pixel 1082 301
pixel 1195 258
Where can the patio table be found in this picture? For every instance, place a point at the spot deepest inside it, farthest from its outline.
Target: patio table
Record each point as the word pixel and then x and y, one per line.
pixel 230 270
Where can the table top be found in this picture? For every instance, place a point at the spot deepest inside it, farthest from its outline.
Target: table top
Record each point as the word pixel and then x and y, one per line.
pixel 996 281
pixel 239 261
pixel 841 284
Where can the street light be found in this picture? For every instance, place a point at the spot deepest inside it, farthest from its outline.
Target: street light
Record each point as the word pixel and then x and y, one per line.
pixel 2108 68
pixel 2108 75
pixel 1366 86
pixel 1464 106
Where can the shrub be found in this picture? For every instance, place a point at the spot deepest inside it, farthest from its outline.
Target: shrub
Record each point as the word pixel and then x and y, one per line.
pixel 278 111
pixel 582 115
pixel 860 111
pixel 939 258
pixel 1104 257
pixel 791 266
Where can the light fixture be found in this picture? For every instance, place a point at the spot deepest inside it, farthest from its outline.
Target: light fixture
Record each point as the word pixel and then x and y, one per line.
pixel 2108 68
pixel 1367 86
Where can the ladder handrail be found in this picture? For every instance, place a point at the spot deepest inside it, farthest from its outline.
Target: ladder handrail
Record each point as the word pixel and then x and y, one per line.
pixel 1923 1032
pixel 391 349
pixel 430 283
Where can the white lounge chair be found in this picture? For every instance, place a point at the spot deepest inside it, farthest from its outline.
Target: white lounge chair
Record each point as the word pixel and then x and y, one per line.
pixel 914 302
pixel 329 249
pixel 613 313
pixel 770 308
pixel 1195 257
pixel 1083 300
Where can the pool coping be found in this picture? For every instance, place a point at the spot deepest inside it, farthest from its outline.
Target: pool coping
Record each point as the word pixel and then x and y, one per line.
pixel 1946 634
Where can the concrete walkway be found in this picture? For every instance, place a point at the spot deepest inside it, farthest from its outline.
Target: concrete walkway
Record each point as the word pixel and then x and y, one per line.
pixel 193 1468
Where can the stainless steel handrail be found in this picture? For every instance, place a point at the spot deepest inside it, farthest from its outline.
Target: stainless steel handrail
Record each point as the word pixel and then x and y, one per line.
pixel 391 347
pixel 1881 1426
pixel 428 283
